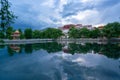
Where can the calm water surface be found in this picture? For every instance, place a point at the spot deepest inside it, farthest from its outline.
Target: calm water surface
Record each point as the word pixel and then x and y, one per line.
pixel 53 61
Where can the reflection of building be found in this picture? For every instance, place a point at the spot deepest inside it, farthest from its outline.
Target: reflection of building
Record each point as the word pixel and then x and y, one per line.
pixel 16 35
pixel 15 48
pixel 65 49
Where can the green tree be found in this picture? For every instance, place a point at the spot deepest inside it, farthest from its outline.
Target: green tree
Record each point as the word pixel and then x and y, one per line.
pixel 9 32
pixel 28 33
pixel 21 34
pixel 6 16
pixel 52 33
pixel 112 30
pixel 2 35
pixel 95 33
pixel 84 33
pixel 41 34
pixel 36 34
pixel 73 33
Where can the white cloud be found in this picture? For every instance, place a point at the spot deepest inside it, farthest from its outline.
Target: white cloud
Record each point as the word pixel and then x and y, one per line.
pixel 85 1
pixel 49 3
pixel 85 17
pixel 75 11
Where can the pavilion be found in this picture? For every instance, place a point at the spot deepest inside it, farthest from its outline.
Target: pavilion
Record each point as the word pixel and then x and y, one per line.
pixel 16 35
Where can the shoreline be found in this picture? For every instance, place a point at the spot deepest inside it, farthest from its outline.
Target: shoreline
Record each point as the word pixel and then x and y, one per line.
pixel 80 40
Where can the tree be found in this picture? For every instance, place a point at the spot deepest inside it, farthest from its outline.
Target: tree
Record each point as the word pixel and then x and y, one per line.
pixel 9 32
pixel 6 16
pixel 52 33
pixel 112 30
pixel 36 34
pixel 2 35
pixel 28 33
pixel 84 33
pixel 57 33
pixel 42 34
pixel 95 33
pixel 73 33
pixel 21 34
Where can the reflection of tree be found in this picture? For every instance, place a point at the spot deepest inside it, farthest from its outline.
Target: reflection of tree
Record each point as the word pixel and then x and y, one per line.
pixel 119 63
pixel 10 51
pixel 109 50
pixel 28 48
pixel 21 48
pixel 96 47
pixel 78 48
pixel 49 47
pixel 2 46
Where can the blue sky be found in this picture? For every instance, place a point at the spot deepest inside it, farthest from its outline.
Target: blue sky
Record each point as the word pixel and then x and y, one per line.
pixel 39 14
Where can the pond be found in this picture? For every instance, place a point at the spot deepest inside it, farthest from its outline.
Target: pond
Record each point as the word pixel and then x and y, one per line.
pixel 60 61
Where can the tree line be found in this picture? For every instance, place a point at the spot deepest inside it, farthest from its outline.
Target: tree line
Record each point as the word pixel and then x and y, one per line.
pixel 111 30
pixel 28 33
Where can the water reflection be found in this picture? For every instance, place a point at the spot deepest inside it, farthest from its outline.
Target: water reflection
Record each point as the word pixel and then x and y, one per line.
pixel 91 68
pixel 13 48
pixel 109 50
pixel 49 47
pixel 2 46
pixel 55 61
pixel 28 48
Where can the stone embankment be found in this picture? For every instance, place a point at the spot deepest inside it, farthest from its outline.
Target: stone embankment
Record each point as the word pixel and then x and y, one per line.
pixel 80 40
